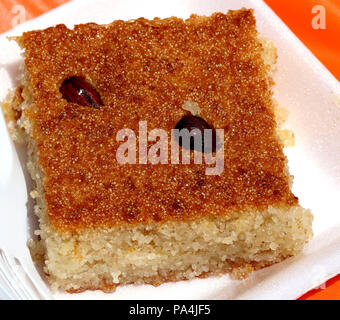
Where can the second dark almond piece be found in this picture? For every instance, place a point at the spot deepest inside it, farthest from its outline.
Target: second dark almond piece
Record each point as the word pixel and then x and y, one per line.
pixel 78 90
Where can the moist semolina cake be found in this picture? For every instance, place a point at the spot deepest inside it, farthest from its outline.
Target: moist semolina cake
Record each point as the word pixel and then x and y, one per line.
pixel 103 223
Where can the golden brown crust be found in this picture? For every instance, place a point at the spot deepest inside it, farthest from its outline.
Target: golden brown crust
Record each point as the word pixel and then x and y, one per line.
pixel 146 70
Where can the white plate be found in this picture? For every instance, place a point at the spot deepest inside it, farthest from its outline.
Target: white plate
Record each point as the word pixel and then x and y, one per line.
pixel 303 86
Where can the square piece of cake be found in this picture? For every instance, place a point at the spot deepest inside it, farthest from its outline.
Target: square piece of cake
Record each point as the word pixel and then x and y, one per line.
pixel 104 223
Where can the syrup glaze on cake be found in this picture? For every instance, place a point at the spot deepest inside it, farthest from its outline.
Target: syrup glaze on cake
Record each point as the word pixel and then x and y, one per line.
pixel 146 70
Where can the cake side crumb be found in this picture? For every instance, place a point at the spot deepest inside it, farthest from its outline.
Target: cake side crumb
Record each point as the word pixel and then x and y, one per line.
pixel 175 251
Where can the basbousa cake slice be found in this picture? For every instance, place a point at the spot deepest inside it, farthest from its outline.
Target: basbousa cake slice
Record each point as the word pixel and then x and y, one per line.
pixel 104 223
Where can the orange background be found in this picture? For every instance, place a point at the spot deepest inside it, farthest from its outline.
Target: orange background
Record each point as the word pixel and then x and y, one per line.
pixel 325 44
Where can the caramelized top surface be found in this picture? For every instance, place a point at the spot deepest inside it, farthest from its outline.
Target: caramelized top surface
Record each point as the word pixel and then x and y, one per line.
pixel 146 70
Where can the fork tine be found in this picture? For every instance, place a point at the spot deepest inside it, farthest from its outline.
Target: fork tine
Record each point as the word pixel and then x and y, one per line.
pixel 21 287
pixel 5 292
pixel 8 279
pixel 30 289
pixel 13 277
pixel 25 281
pixel 6 285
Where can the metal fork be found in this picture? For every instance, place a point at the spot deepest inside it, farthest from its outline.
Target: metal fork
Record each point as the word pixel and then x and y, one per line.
pixel 19 278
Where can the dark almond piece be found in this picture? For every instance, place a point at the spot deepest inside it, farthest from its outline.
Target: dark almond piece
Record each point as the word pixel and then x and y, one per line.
pixel 78 90
pixel 190 123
